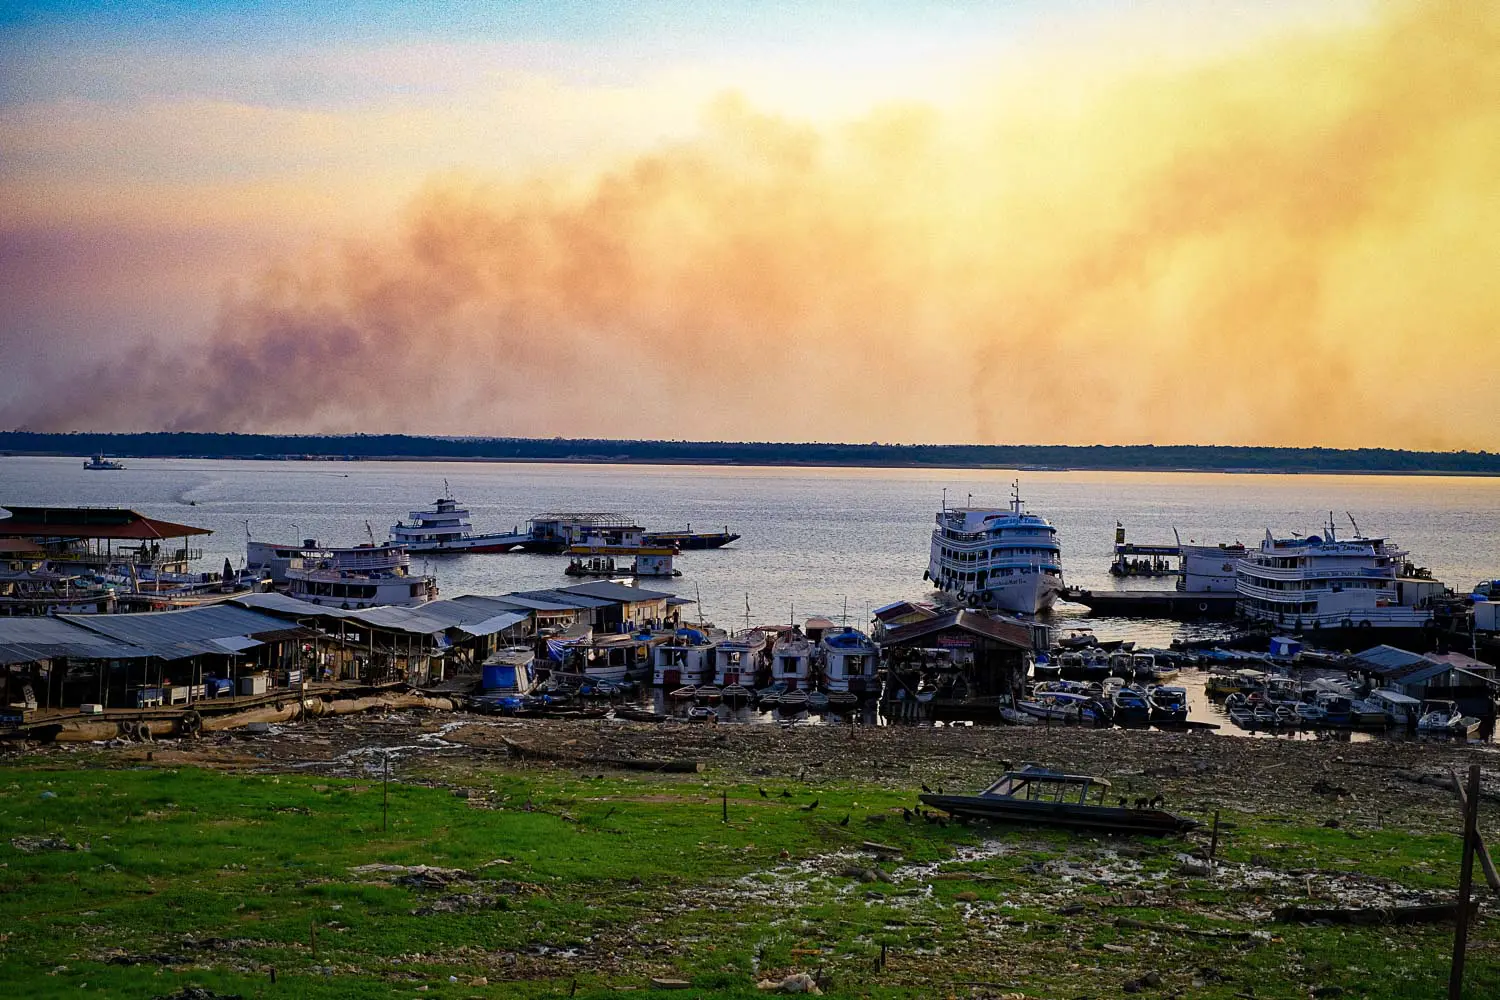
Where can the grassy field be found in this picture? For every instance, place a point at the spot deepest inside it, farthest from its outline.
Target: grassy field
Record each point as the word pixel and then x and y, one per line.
pixel 574 883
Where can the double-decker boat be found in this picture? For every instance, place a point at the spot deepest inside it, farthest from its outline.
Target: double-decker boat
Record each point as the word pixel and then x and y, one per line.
pixel 1325 582
pixel 445 528
pixel 364 576
pixel 1006 559
pixel 849 660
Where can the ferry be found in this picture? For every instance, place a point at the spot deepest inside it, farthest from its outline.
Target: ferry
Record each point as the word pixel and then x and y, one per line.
pixel 687 658
pixel 100 462
pixel 791 660
pixel 445 529
pixel 1325 582
pixel 1005 559
pixel 365 576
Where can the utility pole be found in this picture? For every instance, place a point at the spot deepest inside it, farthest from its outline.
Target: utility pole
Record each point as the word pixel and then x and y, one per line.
pixel 1465 884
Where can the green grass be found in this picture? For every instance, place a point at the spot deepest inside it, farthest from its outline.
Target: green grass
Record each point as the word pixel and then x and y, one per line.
pixel 640 875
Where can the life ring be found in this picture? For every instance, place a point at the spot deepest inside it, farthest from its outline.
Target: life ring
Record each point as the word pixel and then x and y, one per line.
pixel 191 723
pixel 144 732
pixel 127 730
pixel 1202 605
pixel 280 705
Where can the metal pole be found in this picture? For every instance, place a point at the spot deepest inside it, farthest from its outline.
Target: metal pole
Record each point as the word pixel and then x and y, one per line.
pixel 1465 884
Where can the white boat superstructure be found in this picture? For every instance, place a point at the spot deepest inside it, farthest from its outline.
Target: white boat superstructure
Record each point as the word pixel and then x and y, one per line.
pixel 365 576
pixel 1327 582
pixel 849 660
pixel 686 658
pixel 791 660
pixel 1006 559
pixel 445 528
pixel 1209 568
pixel 738 659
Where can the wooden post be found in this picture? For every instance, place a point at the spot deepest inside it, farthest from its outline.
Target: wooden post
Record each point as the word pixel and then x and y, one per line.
pixel 385 796
pixel 1465 883
pixel 1213 844
pixel 726 805
pixel 1491 876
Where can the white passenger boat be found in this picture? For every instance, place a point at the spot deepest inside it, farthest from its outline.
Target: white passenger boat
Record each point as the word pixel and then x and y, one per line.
pixel 686 659
pixel 1007 559
pixel 445 529
pixel 849 660
pixel 1443 718
pixel 739 658
pixel 1324 582
pixel 791 660
pixel 365 576
pixel 99 462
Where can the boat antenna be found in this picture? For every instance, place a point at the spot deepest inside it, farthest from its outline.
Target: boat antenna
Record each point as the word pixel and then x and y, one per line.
pixel 247 529
pixel 945 499
pixel 747 611
pixel 1015 495
pixel 447 492
pixel 1352 521
pixel 846 603
pixel 698 589
pixel 370 531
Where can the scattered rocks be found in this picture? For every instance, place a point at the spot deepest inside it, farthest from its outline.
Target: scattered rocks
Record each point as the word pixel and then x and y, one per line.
pixel 799 982
pixel 35 845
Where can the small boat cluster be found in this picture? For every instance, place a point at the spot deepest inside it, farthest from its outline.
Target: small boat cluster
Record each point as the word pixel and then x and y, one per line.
pixel 1262 700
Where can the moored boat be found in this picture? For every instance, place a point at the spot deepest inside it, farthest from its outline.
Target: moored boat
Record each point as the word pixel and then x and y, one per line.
pixel 1001 558
pixel 1168 705
pixel 1040 796
pixel 444 528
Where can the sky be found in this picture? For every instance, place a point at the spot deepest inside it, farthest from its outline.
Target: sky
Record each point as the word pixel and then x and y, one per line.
pixel 1070 222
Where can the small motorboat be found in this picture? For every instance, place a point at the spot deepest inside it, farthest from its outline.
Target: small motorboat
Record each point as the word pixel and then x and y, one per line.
pixel 1016 717
pixel 702 713
pixel 685 693
pixel 817 701
pixel 1131 707
pixel 736 695
pixel 1040 796
pixel 1078 639
pixel 770 696
pixel 1047 669
pixel 1168 705
pixel 1310 714
pixel 1442 718
pixel 793 701
pixel 708 695
pixel 842 699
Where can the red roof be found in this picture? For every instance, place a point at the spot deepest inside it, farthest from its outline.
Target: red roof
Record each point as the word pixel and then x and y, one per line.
pixel 973 622
pixel 89 522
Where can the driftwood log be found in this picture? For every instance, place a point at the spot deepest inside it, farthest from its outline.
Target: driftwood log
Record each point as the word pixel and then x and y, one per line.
pixel 1431 913
pixel 619 763
pixel 1144 925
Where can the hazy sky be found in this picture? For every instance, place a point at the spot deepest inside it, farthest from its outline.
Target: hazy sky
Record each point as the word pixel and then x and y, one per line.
pixel 1075 222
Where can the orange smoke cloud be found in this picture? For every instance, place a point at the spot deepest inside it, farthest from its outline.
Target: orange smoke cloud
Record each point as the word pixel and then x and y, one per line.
pixel 1289 245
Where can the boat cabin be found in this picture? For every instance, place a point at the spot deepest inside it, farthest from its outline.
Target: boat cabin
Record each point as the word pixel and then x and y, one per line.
pixel 1040 784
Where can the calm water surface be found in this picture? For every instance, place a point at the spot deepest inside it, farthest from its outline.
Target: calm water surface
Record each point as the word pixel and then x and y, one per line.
pixel 814 538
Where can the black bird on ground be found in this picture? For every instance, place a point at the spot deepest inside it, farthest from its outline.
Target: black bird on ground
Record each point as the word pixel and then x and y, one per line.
pixel 810 806
pixel 1157 801
pixel 1141 802
pixel 1124 802
pixel 926 789
pixel 763 793
pixel 940 789
pixel 785 794
pixel 845 820
pixel 906 814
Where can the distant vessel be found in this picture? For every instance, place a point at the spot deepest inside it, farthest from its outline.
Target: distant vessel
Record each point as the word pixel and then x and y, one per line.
pixel 100 462
pixel 1006 559
pixel 445 528
pixel 691 539
pixel 1324 582
pixel 1205 588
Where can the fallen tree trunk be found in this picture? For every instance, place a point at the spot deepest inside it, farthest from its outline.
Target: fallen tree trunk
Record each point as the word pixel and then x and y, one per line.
pixel 1143 925
pixel 619 763
pixel 1431 913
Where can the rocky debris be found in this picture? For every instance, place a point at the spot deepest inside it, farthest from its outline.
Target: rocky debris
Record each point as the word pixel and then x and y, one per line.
pixel 462 902
pixel 35 845
pixel 197 993
pixel 798 982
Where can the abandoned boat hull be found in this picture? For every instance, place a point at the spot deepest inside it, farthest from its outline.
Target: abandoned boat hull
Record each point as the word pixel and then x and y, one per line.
pixel 1064 814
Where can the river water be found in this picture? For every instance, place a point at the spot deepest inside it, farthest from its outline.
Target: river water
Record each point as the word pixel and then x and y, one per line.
pixel 815 540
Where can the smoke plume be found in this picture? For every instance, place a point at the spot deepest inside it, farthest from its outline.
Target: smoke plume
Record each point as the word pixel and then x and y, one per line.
pixel 1292 244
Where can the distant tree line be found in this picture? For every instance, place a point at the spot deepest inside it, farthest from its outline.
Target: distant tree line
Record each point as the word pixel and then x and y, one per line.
pixel 1213 458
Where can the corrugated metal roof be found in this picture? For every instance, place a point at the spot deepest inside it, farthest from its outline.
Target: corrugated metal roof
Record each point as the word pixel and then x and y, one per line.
pixel 26 640
pixel 173 635
pixel 1010 633
pixel 499 623
pixel 281 604
pixel 615 592
pixel 563 599
pixel 1388 659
